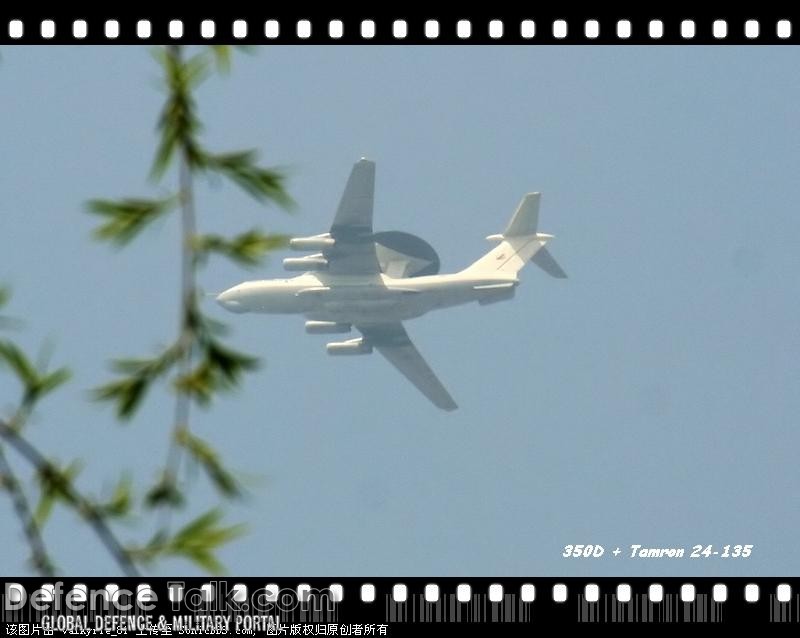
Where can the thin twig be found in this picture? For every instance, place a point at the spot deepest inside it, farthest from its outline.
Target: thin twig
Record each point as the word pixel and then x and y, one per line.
pixel 85 508
pixel 40 558
pixel 188 300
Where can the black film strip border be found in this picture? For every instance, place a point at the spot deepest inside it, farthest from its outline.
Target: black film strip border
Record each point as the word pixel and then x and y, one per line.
pixel 406 605
pixel 536 28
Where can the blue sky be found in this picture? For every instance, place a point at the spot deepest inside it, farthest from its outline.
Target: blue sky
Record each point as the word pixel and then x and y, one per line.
pixel 651 398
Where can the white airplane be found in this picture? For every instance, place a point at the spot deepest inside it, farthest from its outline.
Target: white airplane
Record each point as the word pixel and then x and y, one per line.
pixel 375 281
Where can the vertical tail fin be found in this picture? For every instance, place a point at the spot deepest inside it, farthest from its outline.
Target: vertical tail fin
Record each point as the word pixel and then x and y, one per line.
pixel 519 243
pixel 526 218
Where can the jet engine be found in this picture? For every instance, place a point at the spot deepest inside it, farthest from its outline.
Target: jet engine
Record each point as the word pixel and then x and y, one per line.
pixel 304 264
pixel 351 346
pixel 316 242
pixel 326 327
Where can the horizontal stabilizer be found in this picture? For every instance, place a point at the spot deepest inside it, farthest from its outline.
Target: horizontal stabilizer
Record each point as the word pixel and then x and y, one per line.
pixel 546 262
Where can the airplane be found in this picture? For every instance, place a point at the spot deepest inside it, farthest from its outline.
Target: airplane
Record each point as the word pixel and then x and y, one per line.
pixel 373 282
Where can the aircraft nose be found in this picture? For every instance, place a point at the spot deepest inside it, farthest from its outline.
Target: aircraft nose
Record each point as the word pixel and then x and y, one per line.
pixel 229 300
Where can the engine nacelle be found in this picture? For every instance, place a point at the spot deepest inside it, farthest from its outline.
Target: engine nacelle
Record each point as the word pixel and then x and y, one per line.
pixel 317 242
pixel 304 264
pixel 326 327
pixel 351 346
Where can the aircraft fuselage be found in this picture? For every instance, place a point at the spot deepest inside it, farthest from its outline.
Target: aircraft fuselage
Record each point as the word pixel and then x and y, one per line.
pixel 364 299
pixel 356 279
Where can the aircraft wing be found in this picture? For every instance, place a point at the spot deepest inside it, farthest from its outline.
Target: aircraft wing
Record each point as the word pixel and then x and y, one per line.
pixel 391 340
pixel 354 252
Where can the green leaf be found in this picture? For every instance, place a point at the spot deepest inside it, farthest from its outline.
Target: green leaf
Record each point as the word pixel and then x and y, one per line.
pixel 121 500
pixel 165 492
pixel 199 383
pixel 44 508
pixel 181 75
pixel 247 249
pixel 199 538
pixel 208 458
pixel 196 541
pixel 126 218
pixel 19 364
pixel 126 393
pixel 50 381
pixel 220 368
pixel 178 123
pixel 222 57
pixel 228 363
pixel 263 184
pixel 54 484
pixel 6 322
pixel 205 327
pixel 148 367
pixel 36 383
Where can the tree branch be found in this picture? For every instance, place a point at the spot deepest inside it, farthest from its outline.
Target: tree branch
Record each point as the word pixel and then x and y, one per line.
pixel 33 535
pixel 84 507
pixel 188 300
